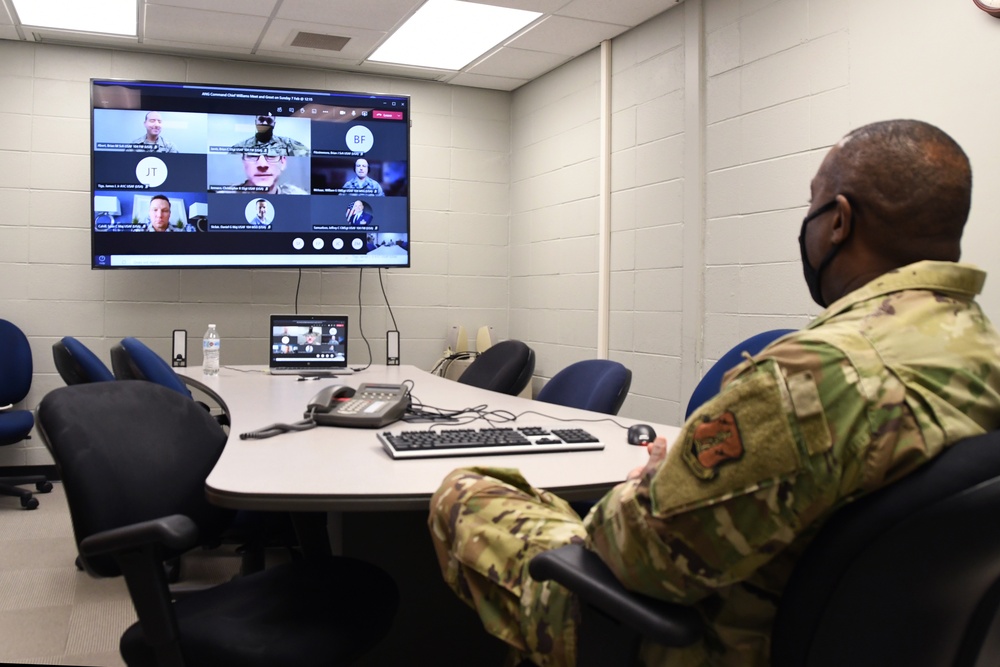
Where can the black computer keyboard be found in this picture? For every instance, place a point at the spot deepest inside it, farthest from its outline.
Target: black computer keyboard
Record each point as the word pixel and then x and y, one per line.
pixel 420 444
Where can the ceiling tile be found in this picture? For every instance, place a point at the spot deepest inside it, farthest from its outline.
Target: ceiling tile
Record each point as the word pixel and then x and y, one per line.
pixel 483 81
pixel 630 13
pixel 387 15
pixel 281 32
pixel 194 26
pixel 544 6
pixel 206 48
pixel 518 63
pixel 261 31
pixel 253 7
pixel 571 37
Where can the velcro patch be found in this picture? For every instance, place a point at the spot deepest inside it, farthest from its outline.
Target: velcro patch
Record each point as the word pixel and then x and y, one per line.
pixel 715 442
pixel 739 441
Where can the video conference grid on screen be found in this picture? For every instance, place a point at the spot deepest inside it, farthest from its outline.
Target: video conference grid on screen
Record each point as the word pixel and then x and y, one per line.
pixel 256 177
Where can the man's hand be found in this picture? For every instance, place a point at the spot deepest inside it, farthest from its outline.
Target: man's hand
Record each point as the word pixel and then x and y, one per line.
pixel 657 452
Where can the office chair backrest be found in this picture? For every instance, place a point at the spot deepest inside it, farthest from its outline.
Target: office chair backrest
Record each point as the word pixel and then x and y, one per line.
pixel 505 367
pixel 600 385
pixel 711 382
pixel 909 575
pixel 134 360
pixel 131 451
pixel 15 364
pixel 77 364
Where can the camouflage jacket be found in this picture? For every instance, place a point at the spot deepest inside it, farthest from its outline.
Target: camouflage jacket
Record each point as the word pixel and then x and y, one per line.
pixel 878 384
pixel 276 146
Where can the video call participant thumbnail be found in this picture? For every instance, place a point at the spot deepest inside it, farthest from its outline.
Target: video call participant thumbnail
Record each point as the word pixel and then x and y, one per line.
pixel 152 141
pixel 264 175
pixel 362 183
pixel 159 217
pixel 266 142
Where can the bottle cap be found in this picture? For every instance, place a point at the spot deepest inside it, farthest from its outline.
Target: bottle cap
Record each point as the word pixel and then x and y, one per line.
pixel 211 326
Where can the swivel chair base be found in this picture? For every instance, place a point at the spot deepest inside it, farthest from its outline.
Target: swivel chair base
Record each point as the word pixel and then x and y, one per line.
pixel 10 486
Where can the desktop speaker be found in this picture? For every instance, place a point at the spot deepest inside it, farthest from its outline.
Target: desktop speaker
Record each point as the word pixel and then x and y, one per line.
pixel 178 358
pixel 458 340
pixel 484 339
pixel 392 348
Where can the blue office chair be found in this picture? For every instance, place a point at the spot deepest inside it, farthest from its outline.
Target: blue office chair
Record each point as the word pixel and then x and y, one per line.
pixel 77 364
pixel 711 382
pixel 132 359
pixel 599 385
pixel 506 368
pixel 15 425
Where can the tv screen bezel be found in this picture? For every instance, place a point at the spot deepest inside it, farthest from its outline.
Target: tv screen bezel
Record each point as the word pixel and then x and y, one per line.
pixel 188 259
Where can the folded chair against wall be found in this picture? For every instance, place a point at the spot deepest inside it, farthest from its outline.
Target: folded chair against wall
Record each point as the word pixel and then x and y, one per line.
pixel 909 575
pixel 76 363
pixel 505 368
pixel 15 425
pixel 600 385
pixel 133 457
pixel 711 382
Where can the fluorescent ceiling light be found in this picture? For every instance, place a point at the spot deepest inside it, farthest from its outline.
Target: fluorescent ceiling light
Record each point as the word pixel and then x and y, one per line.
pixel 449 34
pixel 116 17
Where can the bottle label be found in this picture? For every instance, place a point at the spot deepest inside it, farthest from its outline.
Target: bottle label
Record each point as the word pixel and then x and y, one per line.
pixel 211 344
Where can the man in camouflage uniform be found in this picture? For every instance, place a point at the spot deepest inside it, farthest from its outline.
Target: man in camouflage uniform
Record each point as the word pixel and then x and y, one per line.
pixel 265 142
pixel 901 364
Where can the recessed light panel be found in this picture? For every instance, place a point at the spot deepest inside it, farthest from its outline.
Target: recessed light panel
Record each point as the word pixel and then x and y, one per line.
pixel 449 34
pixel 115 17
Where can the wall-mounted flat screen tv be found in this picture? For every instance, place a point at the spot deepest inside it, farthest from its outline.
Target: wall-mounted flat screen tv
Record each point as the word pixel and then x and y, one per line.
pixel 189 175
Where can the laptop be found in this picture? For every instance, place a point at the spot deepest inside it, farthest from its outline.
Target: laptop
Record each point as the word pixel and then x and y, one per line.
pixel 313 345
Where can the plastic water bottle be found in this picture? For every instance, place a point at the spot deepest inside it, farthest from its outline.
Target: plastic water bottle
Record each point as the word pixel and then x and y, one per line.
pixel 210 345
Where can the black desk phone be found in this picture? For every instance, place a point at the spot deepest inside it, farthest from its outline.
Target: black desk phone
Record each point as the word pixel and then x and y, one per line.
pixel 370 406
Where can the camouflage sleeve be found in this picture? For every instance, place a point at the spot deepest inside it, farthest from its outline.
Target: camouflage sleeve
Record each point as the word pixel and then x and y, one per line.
pixel 752 469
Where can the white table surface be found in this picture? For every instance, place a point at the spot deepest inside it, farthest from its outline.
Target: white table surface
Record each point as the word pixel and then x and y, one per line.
pixel 346 469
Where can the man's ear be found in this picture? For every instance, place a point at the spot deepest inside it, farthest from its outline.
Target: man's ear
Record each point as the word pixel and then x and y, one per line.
pixel 843 221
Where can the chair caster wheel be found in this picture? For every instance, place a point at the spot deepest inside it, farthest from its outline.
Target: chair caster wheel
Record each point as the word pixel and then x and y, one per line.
pixel 29 503
pixel 43 487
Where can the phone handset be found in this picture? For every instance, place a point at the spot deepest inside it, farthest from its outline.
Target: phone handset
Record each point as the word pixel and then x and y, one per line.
pixel 327 399
pixel 371 406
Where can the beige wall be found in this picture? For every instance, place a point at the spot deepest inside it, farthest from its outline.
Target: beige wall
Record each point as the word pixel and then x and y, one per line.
pixel 460 161
pixel 505 190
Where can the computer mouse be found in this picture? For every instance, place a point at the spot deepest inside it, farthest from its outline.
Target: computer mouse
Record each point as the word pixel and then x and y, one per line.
pixel 641 434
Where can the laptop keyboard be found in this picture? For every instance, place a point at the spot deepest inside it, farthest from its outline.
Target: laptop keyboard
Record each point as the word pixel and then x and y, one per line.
pixel 418 444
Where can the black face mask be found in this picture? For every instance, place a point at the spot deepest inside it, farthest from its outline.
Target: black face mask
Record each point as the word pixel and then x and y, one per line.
pixel 812 275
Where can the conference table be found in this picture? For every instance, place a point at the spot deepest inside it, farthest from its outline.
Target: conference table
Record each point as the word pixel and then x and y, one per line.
pixel 346 495
pixel 347 470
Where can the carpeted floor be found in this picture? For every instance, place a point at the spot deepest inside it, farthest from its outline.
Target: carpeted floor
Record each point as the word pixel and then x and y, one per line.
pixel 53 614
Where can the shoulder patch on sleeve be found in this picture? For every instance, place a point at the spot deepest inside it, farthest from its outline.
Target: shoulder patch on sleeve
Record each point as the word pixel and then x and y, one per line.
pixel 736 443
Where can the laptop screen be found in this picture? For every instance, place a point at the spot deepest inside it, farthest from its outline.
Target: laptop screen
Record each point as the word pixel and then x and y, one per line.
pixel 312 342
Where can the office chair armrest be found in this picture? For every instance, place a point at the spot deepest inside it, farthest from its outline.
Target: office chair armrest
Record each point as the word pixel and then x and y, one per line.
pixel 223 419
pixel 176 533
pixel 585 574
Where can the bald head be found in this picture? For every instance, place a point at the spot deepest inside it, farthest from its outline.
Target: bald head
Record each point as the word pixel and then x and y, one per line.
pixel 910 188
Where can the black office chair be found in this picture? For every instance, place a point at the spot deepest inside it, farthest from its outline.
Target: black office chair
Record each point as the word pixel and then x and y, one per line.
pixel 711 382
pixel 133 457
pixel 77 364
pixel 909 575
pixel 16 424
pixel 599 385
pixel 505 367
